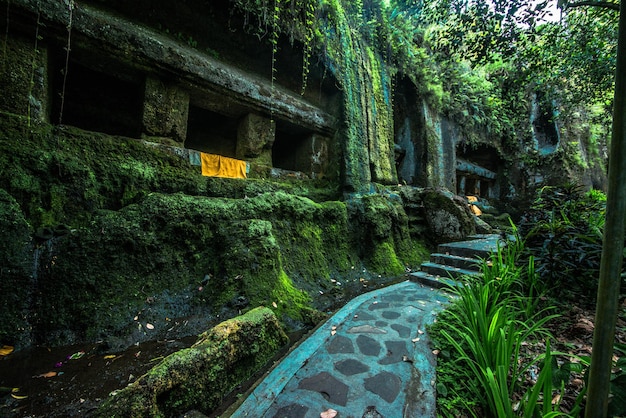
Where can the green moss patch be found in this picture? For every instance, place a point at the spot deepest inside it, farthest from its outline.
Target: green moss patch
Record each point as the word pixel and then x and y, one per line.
pixel 199 377
pixel 16 274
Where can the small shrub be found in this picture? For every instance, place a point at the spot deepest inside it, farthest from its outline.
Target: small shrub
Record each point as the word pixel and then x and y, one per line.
pixel 563 233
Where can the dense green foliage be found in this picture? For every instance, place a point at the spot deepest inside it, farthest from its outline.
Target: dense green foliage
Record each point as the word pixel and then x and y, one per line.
pixel 563 232
pixel 478 63
pixel 481 336
pixel 556 257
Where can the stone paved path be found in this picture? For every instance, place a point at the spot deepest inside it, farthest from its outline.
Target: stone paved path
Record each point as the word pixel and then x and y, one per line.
pixel 371 359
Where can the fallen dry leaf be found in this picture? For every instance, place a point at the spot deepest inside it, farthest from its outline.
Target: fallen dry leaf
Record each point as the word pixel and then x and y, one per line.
pixel 110 356
pixel 5 350
pixel 47 374
pixel 329 413
pixel 18 397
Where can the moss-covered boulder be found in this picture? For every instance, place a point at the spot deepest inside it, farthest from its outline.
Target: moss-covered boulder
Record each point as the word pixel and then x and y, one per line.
pixel 16 273
pixel 448 219
pixel 380 225
pixel 199 377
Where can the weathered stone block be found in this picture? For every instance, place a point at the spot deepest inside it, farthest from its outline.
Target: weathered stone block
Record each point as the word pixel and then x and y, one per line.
pixel 255 137
pixel 199 377
pixel 447 219
pixel 312 156
pixel 24 79
pixel 166 109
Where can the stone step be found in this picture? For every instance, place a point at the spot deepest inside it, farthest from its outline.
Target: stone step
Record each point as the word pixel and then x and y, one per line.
pixel 433 281
pixel 467 263
pixel 478 248
pixel 447 271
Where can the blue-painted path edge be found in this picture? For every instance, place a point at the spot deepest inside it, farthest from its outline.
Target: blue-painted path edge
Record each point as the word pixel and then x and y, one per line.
pixel 372 356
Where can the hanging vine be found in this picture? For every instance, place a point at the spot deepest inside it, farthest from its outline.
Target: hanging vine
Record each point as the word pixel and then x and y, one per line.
pixel 309 22
pixel 274 35
pixel 33 67
pixel 295 18
pixel 70 5
pixel 6 39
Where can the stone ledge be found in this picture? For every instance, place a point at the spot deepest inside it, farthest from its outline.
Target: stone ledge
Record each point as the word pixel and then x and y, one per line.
pixel 152 51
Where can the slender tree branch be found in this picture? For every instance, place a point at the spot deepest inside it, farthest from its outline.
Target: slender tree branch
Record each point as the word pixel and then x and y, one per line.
pixel 601 4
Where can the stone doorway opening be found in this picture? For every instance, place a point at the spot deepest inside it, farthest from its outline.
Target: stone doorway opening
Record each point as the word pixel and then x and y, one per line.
pixel 211 132
pixel 299 149
pixel 107 100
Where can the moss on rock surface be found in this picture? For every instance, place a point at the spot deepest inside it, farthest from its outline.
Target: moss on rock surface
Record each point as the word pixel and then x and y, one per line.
pixel 199 377
pixel 154 256
pixel 381 227
pixel 447 219
pixel 143 237
pixel 16 279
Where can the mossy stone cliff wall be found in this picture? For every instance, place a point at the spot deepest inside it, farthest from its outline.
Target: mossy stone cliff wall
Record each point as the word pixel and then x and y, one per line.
pixel 109 233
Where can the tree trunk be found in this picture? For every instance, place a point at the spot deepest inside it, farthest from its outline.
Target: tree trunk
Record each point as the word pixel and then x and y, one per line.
pixel 613 245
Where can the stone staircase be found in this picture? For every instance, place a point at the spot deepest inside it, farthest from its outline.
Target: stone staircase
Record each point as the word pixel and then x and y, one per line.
pixel 456 259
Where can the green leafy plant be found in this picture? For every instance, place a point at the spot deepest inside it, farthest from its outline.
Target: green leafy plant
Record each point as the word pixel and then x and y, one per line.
pixel 490 339
pixel 486 327
pixel 563 234
pixel 538 399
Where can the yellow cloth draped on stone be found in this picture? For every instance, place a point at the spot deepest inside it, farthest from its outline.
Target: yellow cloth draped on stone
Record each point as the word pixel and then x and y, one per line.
pixel 214 165
pixel 475 209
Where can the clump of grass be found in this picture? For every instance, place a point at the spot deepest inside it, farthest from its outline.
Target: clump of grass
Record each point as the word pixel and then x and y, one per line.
pixel 481 336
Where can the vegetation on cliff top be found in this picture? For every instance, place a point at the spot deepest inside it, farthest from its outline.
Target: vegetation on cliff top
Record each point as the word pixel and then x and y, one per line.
pixel 476 62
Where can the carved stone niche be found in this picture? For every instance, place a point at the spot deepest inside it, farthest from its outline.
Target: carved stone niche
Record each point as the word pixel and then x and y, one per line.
pixel 312 156
pixel 255 137
pixel 305 152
